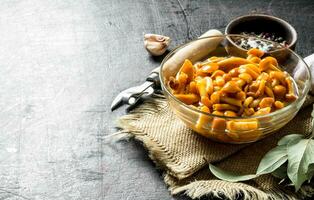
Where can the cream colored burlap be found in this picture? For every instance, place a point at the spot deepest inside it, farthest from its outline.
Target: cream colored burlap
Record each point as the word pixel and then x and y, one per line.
pixel 183 154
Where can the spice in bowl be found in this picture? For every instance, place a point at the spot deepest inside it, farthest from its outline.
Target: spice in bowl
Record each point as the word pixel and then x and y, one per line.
pixel 252 41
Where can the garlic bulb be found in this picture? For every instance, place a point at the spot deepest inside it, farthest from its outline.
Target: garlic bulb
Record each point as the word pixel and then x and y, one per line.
pixel 156 44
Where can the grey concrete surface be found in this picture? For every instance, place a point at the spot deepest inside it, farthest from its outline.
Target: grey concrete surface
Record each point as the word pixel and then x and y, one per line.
pixel 61 64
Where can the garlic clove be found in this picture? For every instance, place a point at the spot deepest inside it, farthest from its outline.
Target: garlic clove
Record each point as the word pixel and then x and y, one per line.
pixel 156 44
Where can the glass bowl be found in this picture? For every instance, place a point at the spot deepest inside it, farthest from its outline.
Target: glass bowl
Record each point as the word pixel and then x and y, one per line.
pixel 249 129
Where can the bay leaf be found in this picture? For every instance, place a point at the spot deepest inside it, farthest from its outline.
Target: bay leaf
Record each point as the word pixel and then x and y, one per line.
pixel 272 160
pixel 229 176
pixel 288 138
pixel 310 172
pixel 300 156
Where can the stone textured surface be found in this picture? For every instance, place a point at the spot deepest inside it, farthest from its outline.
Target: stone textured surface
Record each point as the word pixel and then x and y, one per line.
pixel 61 64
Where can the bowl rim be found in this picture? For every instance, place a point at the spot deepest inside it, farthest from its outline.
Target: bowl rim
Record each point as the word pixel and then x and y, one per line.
pixel 261 16
pixel 277 112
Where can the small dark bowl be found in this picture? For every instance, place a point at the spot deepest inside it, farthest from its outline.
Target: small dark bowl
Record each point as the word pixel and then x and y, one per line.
pixel 262 23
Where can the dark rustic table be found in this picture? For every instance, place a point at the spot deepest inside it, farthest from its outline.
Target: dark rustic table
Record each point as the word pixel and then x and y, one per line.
pixel 61 64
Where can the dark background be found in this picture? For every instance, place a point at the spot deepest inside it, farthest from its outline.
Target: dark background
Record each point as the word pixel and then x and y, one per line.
pixel 61 64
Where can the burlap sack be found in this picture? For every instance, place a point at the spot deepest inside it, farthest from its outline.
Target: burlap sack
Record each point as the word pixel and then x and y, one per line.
pixel 183 154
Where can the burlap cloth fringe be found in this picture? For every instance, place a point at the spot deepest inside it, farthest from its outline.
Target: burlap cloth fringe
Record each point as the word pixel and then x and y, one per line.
pixel 183 154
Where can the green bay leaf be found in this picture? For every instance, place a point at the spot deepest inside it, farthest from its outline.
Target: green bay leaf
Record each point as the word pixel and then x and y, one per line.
pixel 229 176
pixel 288 138
pixel 272 160
pixel 310 172
pixel 300 156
